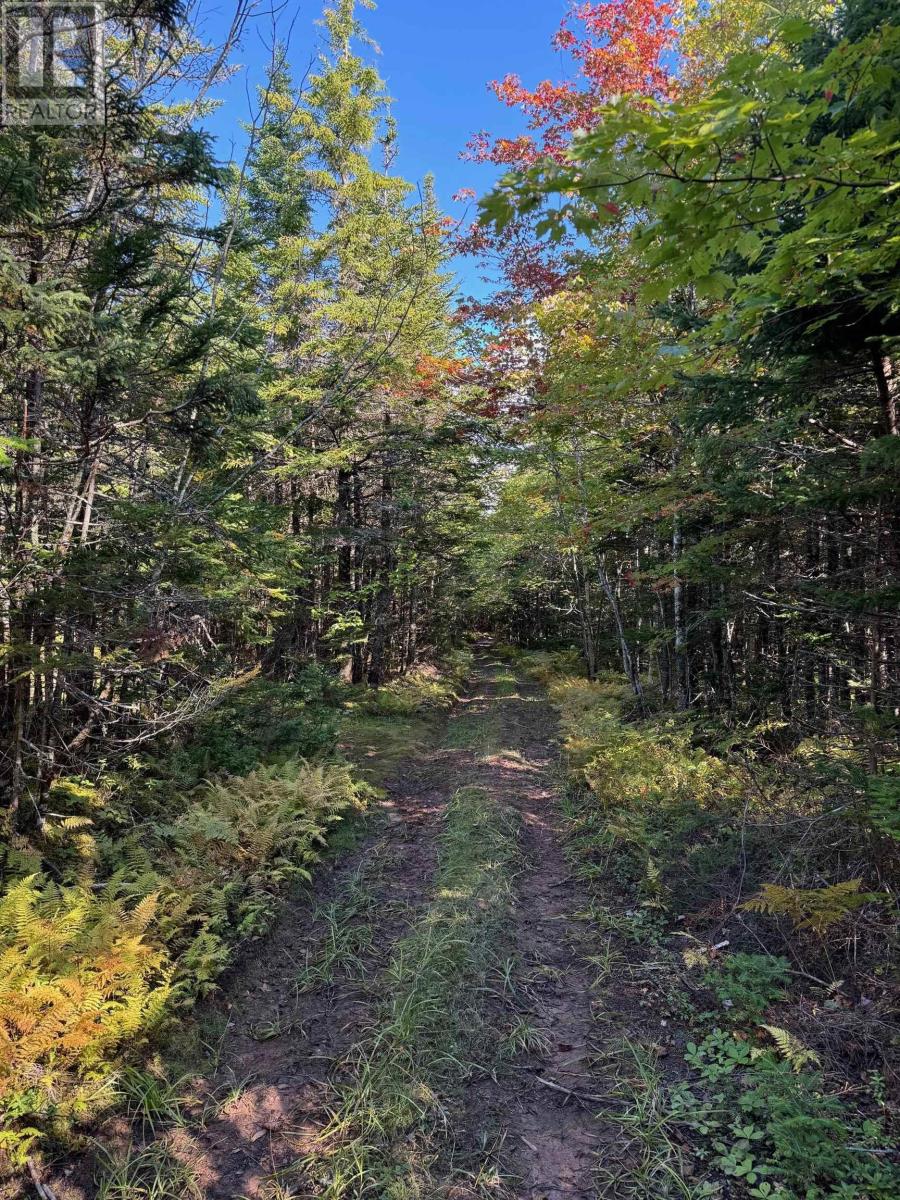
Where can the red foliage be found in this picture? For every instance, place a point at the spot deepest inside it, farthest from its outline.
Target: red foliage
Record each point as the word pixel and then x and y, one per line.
pixel 529 270
pixel 619 48
pixel 505 380
pixel 431 378
pixel 433 374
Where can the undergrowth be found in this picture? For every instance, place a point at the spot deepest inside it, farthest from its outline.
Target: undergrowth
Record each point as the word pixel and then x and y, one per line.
pixel 87 971
pixel 750 900
pixel 137 894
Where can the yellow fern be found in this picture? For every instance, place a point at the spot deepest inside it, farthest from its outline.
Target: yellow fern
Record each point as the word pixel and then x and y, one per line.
pixel 791 1048
pixel 83 970
pixel 811 908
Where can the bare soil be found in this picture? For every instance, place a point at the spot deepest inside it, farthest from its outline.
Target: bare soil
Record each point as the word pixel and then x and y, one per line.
pixel 543 1105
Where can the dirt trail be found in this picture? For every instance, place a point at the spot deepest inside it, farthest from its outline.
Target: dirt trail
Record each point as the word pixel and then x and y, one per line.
pixel 274 1046
pixel 279 1112
pixel 552 1136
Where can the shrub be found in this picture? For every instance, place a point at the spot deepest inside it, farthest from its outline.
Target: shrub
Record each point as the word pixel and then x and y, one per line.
pixel 262 720
pixel 79 976
pixel 675 815
pixel 746 984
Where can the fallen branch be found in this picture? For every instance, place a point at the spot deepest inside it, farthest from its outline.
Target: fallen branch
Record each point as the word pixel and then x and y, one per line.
pixel 44 1192
pixel 584 1097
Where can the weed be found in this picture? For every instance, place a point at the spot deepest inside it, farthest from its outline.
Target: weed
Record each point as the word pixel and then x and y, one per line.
pixel 217 1103
pixel 746 984
pixel 275 1027
pixel 640 926
pixel 652 1165
pixel 604 963
pixel 766 1123
pixel 479 1169
pixel 347 936
pixel 523 1038
pixel 719 1054
pixel 506 973
pixel 150 1098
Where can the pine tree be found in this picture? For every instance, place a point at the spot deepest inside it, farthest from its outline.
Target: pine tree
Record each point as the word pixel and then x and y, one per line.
pixel 349 270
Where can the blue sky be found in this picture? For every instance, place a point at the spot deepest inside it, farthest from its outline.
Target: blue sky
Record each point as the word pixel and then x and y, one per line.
pixel 436 59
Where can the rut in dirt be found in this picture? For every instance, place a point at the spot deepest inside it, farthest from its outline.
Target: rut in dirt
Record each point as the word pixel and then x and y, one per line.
pixel 501 739
pixel 283 1040
pixel 550 1132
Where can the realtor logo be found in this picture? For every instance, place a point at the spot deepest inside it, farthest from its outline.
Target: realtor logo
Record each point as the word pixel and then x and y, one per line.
pixel 52 69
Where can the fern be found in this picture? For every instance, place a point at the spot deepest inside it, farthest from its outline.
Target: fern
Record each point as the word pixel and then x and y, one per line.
pixel 78 977
pixel 816 909
pixel 85 972
pixel 791 1048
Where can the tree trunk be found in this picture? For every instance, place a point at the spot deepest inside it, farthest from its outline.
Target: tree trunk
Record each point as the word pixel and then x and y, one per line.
pixel 888 389
pixel 628 664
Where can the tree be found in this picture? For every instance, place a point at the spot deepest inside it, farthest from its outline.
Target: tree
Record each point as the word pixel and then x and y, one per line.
pixel 751 232
pixel 350 280
pixel 106 331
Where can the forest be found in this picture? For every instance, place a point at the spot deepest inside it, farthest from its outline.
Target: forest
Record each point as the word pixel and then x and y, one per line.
pixel 450 652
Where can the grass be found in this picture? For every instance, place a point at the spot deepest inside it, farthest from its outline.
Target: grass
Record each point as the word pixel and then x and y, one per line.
pixel 392 1123
pixel 650 1163
pixel 382 728
pixel 477 731
pixel 348 934
pixel 506 683
pixel 151 1098
pixel 149 1174
pixel 479 728
pixel 524 1037
pixel 218 1102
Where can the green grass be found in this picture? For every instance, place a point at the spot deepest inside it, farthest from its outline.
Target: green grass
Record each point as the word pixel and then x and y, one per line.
pixel 479 727
pixel 506 683
pixel 151 1099
pixel 149 1174
pixel 477 731
pixel 524 1037
pixel 348 934
pixel 649 1163
pixel 391 1128
pixel 382 728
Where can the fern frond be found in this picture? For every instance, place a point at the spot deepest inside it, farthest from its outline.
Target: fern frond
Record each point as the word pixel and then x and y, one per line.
pixel 811 908
pixel 791 1048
